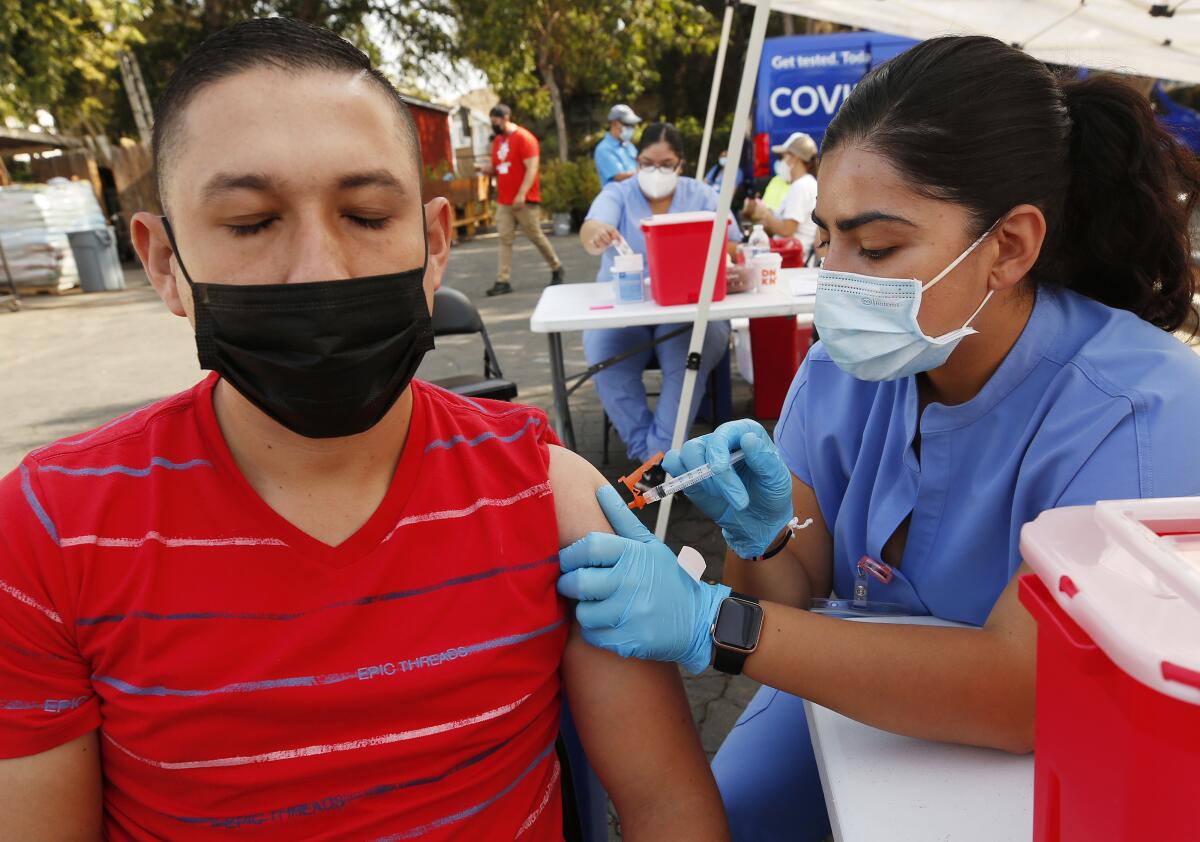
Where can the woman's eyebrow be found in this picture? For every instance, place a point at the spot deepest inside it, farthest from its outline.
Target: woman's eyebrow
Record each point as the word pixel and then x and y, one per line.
pixel 862 219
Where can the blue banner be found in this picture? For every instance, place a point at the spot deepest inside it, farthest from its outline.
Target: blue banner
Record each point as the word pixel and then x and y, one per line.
pixel 804 79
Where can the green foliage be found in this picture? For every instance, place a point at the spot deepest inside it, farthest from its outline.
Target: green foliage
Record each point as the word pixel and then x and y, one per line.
pixel 62 56
pixel 539 52
pixel 692 129
pixel 176 26
pixel 569 185
pixel 560 57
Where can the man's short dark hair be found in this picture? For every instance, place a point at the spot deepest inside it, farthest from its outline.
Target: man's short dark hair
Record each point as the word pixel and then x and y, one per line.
pixel 280 43
pixel 500 110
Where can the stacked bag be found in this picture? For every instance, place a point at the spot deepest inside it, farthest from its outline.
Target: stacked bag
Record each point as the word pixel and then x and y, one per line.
pixel 34 221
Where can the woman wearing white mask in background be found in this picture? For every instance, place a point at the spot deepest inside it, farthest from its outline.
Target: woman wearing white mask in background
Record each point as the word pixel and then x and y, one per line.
pixel 1008 258
pixel 798 165
pixel 615 214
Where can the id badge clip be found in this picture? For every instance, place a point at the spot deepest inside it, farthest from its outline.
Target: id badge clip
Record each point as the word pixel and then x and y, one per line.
pixel 869 567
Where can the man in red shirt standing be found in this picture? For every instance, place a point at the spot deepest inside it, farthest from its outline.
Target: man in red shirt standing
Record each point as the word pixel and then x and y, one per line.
pixel 311 597
pixel 515 154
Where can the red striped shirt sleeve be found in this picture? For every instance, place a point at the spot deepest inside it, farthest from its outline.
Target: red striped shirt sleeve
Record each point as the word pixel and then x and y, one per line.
pixel 46 696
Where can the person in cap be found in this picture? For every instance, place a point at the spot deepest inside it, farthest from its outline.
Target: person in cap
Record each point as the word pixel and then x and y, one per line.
pixel 798 156
pixel 615 155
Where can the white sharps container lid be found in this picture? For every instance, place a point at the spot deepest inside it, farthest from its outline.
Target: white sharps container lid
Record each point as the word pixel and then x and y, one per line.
pixel 1128 572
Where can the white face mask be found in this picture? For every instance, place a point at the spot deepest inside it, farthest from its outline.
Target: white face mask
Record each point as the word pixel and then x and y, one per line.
pixel 657 184
pixel 869 325
pixel 783 170
pixel 627 134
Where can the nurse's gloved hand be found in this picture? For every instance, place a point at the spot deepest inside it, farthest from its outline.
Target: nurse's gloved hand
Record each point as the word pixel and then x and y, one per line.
pixel 634 598
pixel 750 501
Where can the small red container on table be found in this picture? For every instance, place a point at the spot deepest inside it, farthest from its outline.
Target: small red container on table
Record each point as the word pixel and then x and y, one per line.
pixel 676 249
pixel 1116 596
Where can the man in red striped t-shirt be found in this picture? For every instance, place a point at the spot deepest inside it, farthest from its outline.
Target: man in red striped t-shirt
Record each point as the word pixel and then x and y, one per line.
pixel 310 598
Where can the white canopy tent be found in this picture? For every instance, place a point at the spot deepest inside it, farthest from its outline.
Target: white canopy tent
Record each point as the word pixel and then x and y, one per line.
pixel 1160 40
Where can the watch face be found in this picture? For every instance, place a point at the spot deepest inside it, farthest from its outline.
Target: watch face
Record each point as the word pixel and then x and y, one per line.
pixel 738 624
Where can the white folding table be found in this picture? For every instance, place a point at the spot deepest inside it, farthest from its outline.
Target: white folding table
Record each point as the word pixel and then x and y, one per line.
pixel 880 785
pixel 570 307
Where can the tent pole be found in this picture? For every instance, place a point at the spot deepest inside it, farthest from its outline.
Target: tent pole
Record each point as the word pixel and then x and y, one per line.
pixel 716 244
pixel 722 45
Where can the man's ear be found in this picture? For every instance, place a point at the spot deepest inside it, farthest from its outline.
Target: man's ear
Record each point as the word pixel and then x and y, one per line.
pixel 438 229
pixel 154 250
pixel 1019 241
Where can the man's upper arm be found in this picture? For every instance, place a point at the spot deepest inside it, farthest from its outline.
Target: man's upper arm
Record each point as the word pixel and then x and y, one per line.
pixel 632 716
pixel 50 777
pixel 54 795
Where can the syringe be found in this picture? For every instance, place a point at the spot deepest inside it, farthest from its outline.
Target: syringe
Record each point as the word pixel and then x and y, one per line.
pixel 684 481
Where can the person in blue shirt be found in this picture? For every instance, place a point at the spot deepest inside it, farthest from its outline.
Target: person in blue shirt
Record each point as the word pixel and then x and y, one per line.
pixel 716 175
pixel 1008 259
pixel 616 213
pixel 615 154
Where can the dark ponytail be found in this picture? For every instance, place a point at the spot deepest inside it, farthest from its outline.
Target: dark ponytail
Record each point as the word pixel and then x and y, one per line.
pixel 1124 230
pixel 976 122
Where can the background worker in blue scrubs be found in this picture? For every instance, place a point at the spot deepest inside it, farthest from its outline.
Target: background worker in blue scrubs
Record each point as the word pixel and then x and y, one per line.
pixel 716 174
pixel 1029 366
pixel 616 213
pixel 615 155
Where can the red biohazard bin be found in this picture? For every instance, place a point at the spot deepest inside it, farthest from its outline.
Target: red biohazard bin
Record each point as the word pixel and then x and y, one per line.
pixel 676 249
pixel 777 344
pixel 1116 597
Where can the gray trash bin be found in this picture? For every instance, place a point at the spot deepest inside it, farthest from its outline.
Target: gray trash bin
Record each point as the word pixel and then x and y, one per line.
pixel 96 256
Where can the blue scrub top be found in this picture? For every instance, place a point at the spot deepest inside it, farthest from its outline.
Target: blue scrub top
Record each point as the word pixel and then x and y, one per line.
pixel 623 205
pixel 1092 403
pixel 614 156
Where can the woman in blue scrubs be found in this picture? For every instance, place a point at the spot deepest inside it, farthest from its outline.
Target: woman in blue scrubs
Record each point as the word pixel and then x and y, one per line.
pixel 1008 259
pixel 617 212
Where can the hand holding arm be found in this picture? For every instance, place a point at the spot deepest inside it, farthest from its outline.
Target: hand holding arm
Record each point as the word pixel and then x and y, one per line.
pixel 634 598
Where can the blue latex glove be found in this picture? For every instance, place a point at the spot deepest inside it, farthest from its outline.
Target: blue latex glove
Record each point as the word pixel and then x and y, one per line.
pixel 634 598
pixel 751 502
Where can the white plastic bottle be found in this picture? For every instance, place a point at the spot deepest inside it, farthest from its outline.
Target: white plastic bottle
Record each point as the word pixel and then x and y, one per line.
pixel 759 242
pixel 627 277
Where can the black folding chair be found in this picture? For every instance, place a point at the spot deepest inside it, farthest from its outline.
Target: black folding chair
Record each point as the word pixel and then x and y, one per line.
pixel 455 315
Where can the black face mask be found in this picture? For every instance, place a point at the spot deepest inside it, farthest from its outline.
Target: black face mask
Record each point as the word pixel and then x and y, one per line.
pixel 497 131
pixel 324 359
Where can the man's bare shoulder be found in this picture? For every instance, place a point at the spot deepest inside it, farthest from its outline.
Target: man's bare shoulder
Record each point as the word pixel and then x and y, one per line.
pixel 573 481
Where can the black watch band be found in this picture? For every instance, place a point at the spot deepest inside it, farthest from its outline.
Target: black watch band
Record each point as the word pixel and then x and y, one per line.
pixel 729 655
pixel 728 661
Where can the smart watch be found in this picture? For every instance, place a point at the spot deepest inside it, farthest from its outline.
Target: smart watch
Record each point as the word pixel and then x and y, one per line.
pixel 736 631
